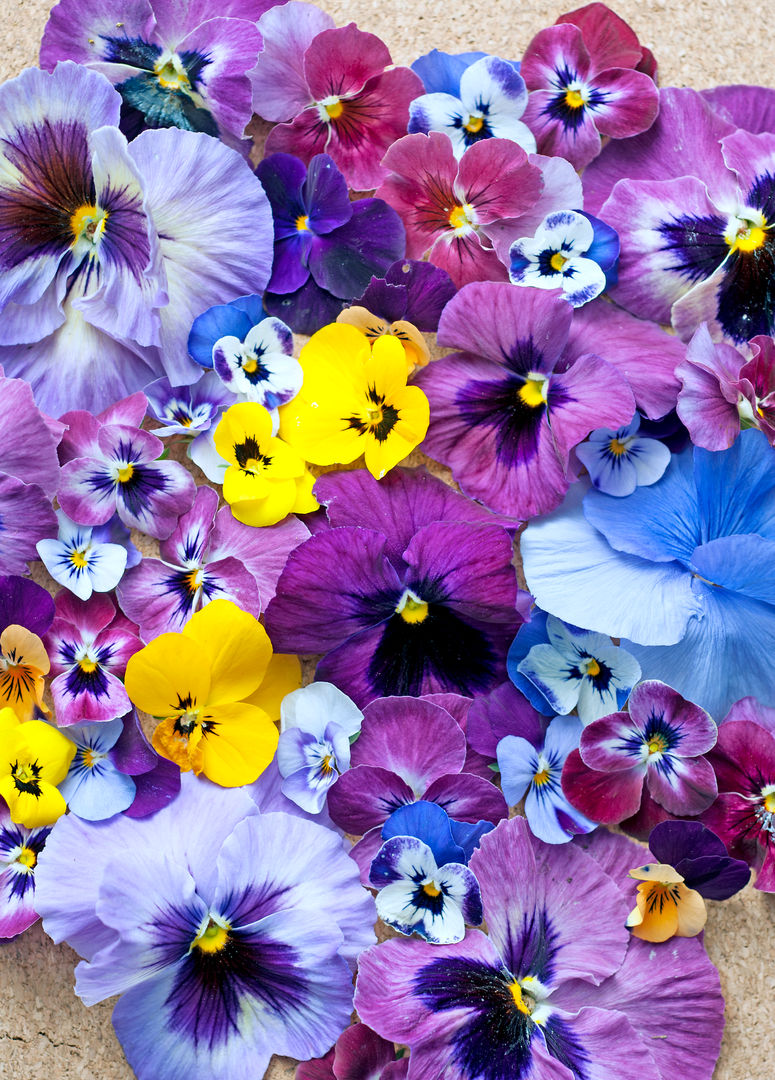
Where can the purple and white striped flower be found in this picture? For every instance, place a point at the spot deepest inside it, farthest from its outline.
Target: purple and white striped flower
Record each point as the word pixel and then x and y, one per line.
pixel 19 850
pixel 79 561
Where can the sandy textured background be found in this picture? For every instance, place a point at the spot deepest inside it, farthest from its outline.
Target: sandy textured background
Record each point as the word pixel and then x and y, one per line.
pixel 45 1031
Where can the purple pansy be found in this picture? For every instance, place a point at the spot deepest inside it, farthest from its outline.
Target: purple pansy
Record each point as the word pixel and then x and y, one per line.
pixel 19 851
pixel 208 555
pixel 743 815
pixel 359 1054
pixel 263 920
pixel 326 247
pixel 509 408
pixel 173 65
pixel 115 769
pixel 700 857
pixel 408 749
pixel 79 561
pixel 533 772
pixel 549 993
pixel 659 743
pixel 25 603
pixel 621 460
pixel 89 644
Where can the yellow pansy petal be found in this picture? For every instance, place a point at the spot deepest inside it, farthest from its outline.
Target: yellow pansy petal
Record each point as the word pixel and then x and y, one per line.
pixel 415 346
pixel 32 811
pixel 321 431
pixel 185 750
pixel 336 351
pixel 18 642
pixel 385 369
pixel 241 486
pixel 48 747
pixel 241 422
pixel 659 912
pixel 240 745
pixel 282 676
pixel 238 647
pixel 285 462
pixel 409 431
pixel 277 504
pixel 362 319
pixel 692 913
pixel 9 720
pixel 170 673
pixel 305 502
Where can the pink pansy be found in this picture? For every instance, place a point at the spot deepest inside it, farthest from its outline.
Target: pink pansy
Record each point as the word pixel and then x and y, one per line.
pixel 358 105
pixel 446 204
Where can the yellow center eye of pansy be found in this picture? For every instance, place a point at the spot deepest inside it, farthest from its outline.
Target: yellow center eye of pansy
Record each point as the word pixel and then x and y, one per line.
pixel 459 217
pixel 557 261
pixel 87 665
pixel 541 777
pixel 518 998
pixel 125 473
pixel 194 580
pixel 27 858
pixel 593 668
pixel 213 938
pixel 657 744
pixel 171 74
pixel 574 99
pixel 26 773
pixel 474 124
pixel 78 559
pixel 617 448
pixel 325 765
pixel 531 393
pixel 748 238
pixel 302 223
pixel 412 609
pixel 431 890
pixel 250 365
pixel 88 223
pixel 334 109
pixel 769 802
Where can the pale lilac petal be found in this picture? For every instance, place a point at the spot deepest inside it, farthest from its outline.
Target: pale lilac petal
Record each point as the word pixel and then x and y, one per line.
pixel 280 89
pixel 26 517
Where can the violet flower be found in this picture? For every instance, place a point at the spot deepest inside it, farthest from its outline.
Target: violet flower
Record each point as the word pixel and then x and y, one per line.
pixel 619 461
pixel 326 247
pixel 19 851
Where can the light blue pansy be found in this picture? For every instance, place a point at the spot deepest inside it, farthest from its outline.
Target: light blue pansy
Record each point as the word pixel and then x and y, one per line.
pixel 81 562
pixel 619 461
pixel 94 789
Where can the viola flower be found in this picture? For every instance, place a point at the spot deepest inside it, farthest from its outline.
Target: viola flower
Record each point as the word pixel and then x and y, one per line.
pixel 262 367
pixel 357 104
pixel 409 749
pixel 19 851
pixel 266 479
pixel 665 908
pixel 209 555
pixel 197 683
pixel 34 758
pixel 81 563
pixel 184 67
pixel 446 204
pixel 547 993
pixel 264 919
pixel 708 522
pixel 358 1048
pixel 490 101
pixel 407 303
pixel 571 251
pixel 660 742
pixel 355 401
pixel 536 771
pixel 23 664
pixel 326 247
pixel 187 410
pixel 123 474
pixel 743 815
pixel 619 461
pixel 508 409
pixel 450 841
pixel 114 769
pixel 580 90
pixel 577 669
pixel 317 723
pixel 25 603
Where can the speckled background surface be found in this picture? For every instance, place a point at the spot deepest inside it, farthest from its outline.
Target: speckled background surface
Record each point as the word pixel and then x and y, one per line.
pixel 45 1031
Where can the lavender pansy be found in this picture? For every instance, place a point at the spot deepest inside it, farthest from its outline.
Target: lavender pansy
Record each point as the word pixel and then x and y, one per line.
pixel 19 851
pixel 317 724
pixel 489 103
pixel 25 603
pixel 535 771
pixel 187 410
pixel 245 963
pixel 28 438
pixel 280 90
pixel 621 460
pixel 79 562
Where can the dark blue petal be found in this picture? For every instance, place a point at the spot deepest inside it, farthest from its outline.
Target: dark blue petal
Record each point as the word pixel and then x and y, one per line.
pixel 441 72
pixel 429 823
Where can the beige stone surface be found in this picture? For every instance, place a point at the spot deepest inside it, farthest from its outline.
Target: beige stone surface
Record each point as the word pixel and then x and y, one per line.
pixel 45 1031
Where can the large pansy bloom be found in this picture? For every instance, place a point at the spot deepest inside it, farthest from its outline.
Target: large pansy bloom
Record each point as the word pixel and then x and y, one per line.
pixel 507 410
pixel 695 223
pixel 357 104
pixel 446 204
pixel 696 551
pixel 175 66
pixel 209 555
pixel 549 994
pixel 263 918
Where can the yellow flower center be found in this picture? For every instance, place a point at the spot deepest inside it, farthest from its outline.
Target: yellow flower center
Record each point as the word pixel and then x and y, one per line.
pixel 557 261
pixel 460 216
pixel 171 74
pixel 250 365
pixel 531 393
pixel 125 473
pixel 213 938
pixel 747 233
pixel 26 773
pixel 194 580
pixel 88 223
pixel 302 223
pixel 574 99
pixel 593 668
pixel 769 802
pixel 27 858
pixel 617 448
pixel 78 559
pixel 87 665
pixel 474 124
pixel 524 1006
pixel 541 777
pixel 412 609
pixel 431 890
pixel 334 109
pixel 325 765
pixel 90 758
pixel 657 744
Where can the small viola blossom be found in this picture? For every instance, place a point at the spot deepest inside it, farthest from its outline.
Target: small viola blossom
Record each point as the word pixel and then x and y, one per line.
pixel 355 401
pixel 24 602
pixel 197 683
pixel 317 724
pixel 619 461
pixel 34 758
pixel 187 410
pixel 580 670
pixel 262 367
pixel 666 907
pixel 450 841
pixel 535 771
pixel 23 664
pixel 19 851
pixel 700 857
pixel 441 72
pixel 81 563
pixel 266 479
pixel 89 644
pixel 490 101
pixel 570 251
pixel 446 204
pixel 659 743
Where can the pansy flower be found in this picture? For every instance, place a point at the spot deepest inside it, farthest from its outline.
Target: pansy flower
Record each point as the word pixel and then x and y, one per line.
pixel 326 247
pixel 660 744
pixel 490 100
pixel 209 555
pixel 355 401
pixel 197 684
pixel 187 410
pixel 621 460
pixel 89 644
pixel 34 758
pixel 570 251
pixel 445 204
pixel 356 1049
pixel 507 410
pixel 19 851
pixel 25 603
pixel 79 561
pixel 24 662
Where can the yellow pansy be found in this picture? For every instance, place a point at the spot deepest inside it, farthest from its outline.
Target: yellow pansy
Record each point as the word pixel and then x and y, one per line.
pixel 354 400
pixel 34 758
pixel 23 663
pixel 666 907
pixel 206 685
pixel 266 479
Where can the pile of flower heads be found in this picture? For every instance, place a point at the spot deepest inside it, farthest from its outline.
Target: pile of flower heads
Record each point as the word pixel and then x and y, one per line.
pixel 292 729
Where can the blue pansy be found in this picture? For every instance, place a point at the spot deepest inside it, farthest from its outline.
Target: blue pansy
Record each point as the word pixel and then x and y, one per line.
pixel 94 789
pixel 80 560
pixel 619 461
pixel 234 319
pixel 441 72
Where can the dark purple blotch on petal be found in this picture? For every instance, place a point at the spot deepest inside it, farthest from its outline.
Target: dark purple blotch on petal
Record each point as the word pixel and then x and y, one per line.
pixel 700 857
